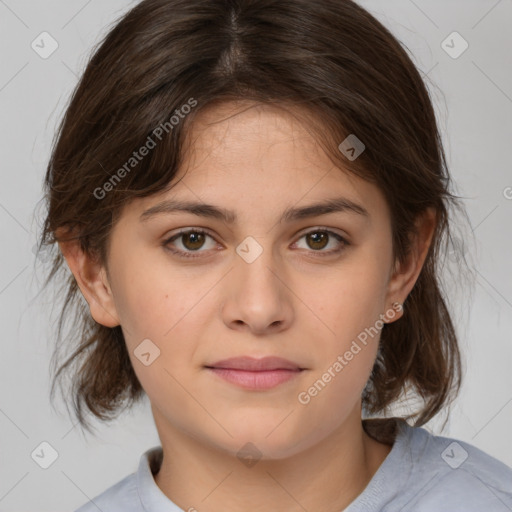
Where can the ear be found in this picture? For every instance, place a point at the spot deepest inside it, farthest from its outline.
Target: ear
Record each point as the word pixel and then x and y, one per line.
pixel 92 280
pixel 405 275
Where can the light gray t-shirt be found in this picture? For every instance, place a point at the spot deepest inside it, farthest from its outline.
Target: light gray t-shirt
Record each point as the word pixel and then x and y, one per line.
pixel 422 473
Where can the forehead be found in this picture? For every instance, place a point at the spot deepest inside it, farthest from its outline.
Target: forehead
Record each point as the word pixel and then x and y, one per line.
pixel 251 158
pixel 239 130
pixel 246 141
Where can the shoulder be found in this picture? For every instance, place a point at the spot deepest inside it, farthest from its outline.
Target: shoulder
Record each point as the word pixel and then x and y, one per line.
pixel 121 497
pixel 133 492
pixel 455 475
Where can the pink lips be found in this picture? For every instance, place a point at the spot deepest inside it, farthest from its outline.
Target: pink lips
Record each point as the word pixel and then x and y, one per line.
pixel 251 373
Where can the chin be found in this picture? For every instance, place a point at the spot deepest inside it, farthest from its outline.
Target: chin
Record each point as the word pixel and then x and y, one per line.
pixel 263 441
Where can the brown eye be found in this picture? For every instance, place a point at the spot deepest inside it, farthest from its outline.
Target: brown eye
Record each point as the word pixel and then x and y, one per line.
pixel 319 239
pixel 188 242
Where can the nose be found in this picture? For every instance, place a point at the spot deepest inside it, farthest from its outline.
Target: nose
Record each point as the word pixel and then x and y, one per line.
pixel 258 299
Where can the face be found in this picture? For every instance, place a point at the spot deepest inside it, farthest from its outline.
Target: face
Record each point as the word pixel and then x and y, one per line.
pixel 305 288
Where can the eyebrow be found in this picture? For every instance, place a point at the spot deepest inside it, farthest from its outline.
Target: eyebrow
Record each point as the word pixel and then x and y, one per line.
pixel 335 205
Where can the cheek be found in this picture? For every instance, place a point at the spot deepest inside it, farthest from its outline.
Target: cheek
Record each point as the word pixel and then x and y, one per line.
pixel 346 354
pixel 350 305
pixel 352 298
pixel 162 311
pixel 166 305
pixel 152 296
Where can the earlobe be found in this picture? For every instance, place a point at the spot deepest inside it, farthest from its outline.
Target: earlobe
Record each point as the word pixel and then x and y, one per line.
pixel 394 313
pixel 406 274
pixel 91 278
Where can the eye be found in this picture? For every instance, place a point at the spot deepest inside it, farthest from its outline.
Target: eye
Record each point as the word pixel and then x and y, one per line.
pixel 318 239
pixel 190 240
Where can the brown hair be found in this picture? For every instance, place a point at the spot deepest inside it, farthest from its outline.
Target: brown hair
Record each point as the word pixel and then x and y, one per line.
pixel 329 59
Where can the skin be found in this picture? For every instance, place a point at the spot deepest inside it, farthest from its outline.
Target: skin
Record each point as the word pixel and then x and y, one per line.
pixel 290 302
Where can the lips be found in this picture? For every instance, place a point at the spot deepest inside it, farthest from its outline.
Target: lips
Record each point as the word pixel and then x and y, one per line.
pixel 256 374
pixel 251 364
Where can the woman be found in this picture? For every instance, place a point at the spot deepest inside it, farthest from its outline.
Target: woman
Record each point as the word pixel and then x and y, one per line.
pixel 252 197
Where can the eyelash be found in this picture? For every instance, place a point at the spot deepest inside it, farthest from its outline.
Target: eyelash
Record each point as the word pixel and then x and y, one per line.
pixel 190 254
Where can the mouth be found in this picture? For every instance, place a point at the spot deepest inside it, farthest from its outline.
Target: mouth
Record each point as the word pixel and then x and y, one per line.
pixel 247 363
pixel 256 374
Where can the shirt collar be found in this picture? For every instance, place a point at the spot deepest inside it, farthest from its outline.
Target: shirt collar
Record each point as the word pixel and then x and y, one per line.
pixel 151 496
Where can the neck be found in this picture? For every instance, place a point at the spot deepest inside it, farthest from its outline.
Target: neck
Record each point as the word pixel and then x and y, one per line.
pixel 325 477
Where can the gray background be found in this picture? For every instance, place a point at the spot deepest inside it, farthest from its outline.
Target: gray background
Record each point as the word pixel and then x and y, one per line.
pixel 473 100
